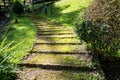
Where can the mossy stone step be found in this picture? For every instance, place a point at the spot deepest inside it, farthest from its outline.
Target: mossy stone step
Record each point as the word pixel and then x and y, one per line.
pixel 42 74
pixel 54 29
pixel 60 60
pixel 49 30
pixel 54 32
pixel 51 26
pixel 56 35
pixel 53 43
pixel 60 48
pixel 57 40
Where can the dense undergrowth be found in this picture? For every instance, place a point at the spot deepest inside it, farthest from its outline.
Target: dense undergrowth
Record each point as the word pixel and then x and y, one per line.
pixel 15 44
pixel 99 26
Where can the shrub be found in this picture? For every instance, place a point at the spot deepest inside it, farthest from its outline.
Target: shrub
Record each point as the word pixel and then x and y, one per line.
pixel 17 8
pixel 100 26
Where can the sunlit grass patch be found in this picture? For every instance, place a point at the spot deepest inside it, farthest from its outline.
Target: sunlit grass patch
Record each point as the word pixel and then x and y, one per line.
pixel 22 33
pixel 66 11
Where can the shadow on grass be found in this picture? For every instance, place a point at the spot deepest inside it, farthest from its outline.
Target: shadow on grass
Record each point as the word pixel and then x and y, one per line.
pixel 63 18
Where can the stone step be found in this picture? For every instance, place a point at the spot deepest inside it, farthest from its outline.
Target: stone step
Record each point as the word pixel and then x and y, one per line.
pixel 60 48
pixel 51 26
pixel 59 60
pixel 43 74
pixel 51 52
pixel 57 40
pixel 57 35
pixel 54 30
pixel 53 43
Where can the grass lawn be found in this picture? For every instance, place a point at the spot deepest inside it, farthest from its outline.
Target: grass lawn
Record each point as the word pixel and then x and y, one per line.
pixel 21 36
pixel 66 11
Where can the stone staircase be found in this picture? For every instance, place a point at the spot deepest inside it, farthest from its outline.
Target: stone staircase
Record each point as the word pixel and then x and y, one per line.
pixel 57 54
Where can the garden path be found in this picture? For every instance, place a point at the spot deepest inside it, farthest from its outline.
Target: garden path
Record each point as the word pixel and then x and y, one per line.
pixel 57 54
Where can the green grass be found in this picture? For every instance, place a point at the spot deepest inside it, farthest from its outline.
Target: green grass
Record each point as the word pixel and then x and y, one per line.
pixel 23 34
pixel 66 11
pixel 15 43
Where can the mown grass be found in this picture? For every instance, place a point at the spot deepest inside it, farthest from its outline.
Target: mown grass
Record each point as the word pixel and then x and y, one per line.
pixel 66 11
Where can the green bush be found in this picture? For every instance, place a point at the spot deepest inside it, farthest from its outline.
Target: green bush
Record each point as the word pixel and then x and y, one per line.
pixel 100 26
pixel 18 8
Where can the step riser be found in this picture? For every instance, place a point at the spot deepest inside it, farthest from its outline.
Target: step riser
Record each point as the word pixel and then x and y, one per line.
pixel 56 67
pixel 55 33
pixel 58 43
pixel 51 52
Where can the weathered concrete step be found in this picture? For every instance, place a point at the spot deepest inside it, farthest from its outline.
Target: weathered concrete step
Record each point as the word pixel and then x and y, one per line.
pixel 55 33
pixel 51 27
pixel 73 35
pixel 60 48
pixel 58 40
pixel 43 74
pixel 56 67
pixel 53 43
pixel 57 37
pixel 64 53
pixel 59 60
pixel 53 30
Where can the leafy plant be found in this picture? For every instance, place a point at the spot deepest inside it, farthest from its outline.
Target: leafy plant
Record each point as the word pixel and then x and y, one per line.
pixel 7 69
pixel 100 26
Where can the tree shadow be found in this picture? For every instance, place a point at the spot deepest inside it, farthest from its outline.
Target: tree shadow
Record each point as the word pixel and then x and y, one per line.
pixel 61 17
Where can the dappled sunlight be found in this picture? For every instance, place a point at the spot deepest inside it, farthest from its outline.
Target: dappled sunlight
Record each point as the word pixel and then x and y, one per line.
pixel 66 11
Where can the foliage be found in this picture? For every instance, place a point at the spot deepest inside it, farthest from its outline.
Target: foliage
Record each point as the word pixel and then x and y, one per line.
pixel 17 8
pixel 6 68
pixel 22 34
pixel 101 27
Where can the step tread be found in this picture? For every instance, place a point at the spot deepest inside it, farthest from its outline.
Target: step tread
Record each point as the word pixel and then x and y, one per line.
pixel 54 43
pixel 60 60
pixel 56 52
pixel 60 48
pixel 58 35
pixel 42 74
pixel 58 40
pixel 54 33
